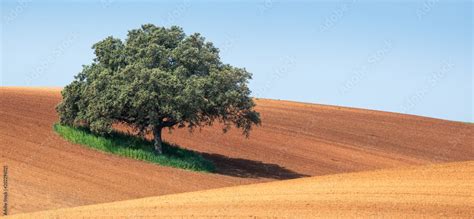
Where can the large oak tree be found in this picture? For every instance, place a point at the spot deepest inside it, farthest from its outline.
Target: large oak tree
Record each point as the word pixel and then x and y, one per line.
pixel 158 78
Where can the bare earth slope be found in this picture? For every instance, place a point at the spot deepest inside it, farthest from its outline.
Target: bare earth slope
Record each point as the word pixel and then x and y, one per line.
pixel 295 140
pixel 445 190
pixel 47 172
pixel 318 139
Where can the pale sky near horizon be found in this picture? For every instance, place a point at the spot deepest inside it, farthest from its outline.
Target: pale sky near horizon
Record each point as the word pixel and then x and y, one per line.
pixel 411 57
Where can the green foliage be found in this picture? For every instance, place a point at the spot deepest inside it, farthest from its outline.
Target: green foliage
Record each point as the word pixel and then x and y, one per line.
pixel 158 77
pixel 136 148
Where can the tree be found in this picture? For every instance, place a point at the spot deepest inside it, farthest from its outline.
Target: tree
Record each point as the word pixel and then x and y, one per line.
pixel 158 78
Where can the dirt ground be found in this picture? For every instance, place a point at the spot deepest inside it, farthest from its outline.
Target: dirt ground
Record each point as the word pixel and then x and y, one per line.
pixel 295 140
pixel 445 190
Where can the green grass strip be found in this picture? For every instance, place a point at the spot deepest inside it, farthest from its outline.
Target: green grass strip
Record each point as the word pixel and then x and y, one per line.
pixel 136 148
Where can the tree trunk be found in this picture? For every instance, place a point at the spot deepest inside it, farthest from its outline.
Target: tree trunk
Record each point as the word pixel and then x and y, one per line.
pixel 158 141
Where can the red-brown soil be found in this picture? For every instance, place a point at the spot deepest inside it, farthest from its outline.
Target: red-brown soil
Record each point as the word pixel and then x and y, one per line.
pixel 433 191
pixel 295 140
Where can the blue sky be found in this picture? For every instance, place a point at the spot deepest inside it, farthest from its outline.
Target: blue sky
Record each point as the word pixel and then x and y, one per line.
pixel 412 57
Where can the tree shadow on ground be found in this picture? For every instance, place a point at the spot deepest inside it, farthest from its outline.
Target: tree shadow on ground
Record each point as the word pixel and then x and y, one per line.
pixel 244 168
pixel 237 167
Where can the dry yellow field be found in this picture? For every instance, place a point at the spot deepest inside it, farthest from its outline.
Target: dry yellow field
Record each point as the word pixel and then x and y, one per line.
pixel 442 190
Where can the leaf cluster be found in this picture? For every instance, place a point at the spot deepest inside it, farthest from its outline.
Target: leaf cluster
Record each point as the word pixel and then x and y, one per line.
pixel 158 77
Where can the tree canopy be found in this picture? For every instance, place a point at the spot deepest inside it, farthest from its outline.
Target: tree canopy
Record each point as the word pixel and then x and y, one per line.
pixel 156 78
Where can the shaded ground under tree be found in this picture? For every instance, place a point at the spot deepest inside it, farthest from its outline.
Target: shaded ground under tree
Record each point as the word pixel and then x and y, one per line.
pixel 245 168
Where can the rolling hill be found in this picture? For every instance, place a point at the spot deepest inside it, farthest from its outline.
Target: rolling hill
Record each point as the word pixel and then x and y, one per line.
pixel 445 190
pixel 295 140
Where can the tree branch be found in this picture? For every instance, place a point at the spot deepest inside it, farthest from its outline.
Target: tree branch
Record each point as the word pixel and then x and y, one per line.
pixel 167 123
